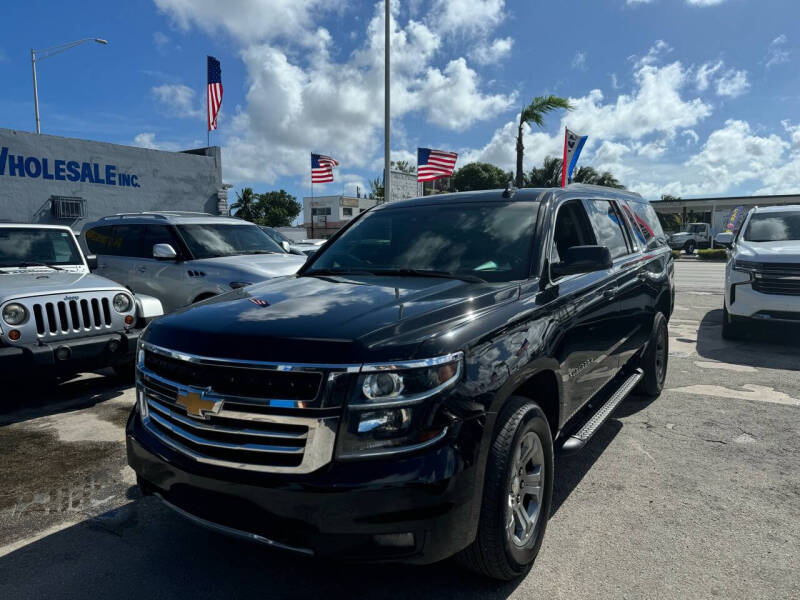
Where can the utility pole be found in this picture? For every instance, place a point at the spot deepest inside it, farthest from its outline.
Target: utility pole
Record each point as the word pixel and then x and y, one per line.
pixel 387 163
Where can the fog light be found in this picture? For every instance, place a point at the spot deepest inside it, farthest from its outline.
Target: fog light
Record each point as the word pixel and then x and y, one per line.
pixel 14 335
pixel 62 353
pixel 113 346
pixel 128 319
pixel 394 540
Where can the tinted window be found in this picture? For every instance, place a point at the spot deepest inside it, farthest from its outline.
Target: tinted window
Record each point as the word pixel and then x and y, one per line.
pixel 773 227
pixel 126 240
pixel 491 241
pixel 212 240
pixel 647 226
pixel 97 239
pixel 158 234
pixel 571 229
pixel 607 226
pixel 48 246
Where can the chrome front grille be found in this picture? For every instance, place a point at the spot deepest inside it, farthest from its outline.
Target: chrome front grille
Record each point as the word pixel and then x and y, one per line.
pixel 70 316
pixel 777 278
pixel 218 427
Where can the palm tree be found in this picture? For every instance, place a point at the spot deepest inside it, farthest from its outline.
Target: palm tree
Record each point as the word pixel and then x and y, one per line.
pixel 592 176
pixel 549 175
pixel 245 205
pixel 534 113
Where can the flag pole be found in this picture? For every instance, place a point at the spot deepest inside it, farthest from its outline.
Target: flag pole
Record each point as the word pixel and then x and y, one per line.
pixel 387 177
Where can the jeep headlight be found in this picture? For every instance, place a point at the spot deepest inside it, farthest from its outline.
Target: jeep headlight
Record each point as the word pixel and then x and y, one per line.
pixel 15 314
pixel 122 303
pixel 393 406
pixel 746 266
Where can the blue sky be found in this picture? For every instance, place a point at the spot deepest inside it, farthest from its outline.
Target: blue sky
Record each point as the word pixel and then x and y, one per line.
pixel 688 97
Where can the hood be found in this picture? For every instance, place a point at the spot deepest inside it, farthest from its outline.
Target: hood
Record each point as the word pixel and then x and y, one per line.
pixel 681 234
pixel 263 265
pixel 39 283
pixel 326 319
pixel 777 252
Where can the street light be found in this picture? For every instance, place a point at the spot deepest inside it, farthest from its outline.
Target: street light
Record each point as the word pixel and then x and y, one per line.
pixel 37 55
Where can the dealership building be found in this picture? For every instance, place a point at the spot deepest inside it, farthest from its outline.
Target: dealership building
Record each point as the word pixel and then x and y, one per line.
pixel 66 181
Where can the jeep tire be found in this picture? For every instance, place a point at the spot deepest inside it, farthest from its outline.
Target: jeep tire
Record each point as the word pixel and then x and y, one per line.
pixel 521 455
pixel 732 326
pixel 689 247
pixel 654 360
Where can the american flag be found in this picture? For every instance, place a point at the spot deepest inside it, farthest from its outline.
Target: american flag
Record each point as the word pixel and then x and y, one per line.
pixel 322 168
pixel 214 92
pixel 434 164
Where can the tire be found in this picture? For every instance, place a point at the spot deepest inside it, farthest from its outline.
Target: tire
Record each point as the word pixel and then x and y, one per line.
pixel 732 327
pixel 498 551
pixel 655 359
pixel 689 247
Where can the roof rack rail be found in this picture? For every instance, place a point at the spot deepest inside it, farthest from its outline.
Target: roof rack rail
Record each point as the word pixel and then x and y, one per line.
pixel 161 214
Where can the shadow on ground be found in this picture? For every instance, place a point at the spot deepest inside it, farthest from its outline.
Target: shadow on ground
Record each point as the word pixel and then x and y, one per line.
pixel 23 401
pixel 769 345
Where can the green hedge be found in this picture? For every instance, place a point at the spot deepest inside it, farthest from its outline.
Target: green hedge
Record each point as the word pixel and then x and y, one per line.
pixel 715 254
pixel 676 254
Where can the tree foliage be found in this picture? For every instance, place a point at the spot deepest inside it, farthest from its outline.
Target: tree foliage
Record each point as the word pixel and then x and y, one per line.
pixel 549 175
pixel 275 208
pixel 376 189
pixel 479 176
pixel 534 113
pixel 404 166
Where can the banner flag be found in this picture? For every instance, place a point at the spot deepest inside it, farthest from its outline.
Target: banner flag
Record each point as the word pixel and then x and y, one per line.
pixel 573 144
pixel 734 220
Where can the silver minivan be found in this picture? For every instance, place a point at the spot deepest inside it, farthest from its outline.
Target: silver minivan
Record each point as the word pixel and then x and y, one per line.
pixel 182 258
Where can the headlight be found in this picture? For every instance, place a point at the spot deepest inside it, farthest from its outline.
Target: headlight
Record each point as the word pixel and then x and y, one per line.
pixel 239 284
pixel 393 408
pixel 15 314
pixel 122 303
pixel 746 266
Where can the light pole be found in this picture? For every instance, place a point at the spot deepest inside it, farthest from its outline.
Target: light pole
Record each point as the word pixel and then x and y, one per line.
pixel 387 119
pixel 37 55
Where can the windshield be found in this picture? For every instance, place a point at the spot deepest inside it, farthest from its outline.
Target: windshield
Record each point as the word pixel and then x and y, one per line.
pixel 213 240
pixel 696 228
pixel 27 247
pixel 275 236
pixel 773 227
pixel 489 241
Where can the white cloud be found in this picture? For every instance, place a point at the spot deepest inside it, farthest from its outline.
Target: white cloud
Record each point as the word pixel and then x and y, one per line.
pixel 733 83
pixel 705 72
pixel 579 61
pixel 312 101
pixel 147 139
pixel 629 2
pixel 177 100
pixel 160 40
pixel 776 52
pixel 691 136
pixel 704 2
pixel 486 53
pixel 467 16
pixel 252 20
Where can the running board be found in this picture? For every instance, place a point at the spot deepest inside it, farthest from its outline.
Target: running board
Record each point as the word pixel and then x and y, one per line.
pixel 577 441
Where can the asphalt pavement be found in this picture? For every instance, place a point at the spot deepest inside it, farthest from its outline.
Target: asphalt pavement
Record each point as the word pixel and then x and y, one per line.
pixel 693 495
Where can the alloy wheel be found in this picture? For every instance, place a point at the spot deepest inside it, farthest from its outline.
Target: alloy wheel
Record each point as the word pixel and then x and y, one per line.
pixel 526 484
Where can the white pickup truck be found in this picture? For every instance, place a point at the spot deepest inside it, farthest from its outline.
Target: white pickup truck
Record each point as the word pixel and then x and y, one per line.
pixel 696 235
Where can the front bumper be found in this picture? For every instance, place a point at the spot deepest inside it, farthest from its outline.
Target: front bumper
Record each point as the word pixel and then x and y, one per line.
pixel 420 508
pixel 83 354
pixel 744 301
pixel 677 244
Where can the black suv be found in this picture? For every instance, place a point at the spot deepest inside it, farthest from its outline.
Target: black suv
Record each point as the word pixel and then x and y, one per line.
pixel 401 397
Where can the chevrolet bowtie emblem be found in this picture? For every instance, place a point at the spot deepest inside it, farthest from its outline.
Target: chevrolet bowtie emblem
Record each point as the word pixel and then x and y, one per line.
pixel 196 403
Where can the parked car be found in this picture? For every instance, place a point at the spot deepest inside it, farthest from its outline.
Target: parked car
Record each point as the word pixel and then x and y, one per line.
pixel 183 258
pixel 401 398
pixel 284 242
pixel 56 318
pixel 696 235
pixel 762 277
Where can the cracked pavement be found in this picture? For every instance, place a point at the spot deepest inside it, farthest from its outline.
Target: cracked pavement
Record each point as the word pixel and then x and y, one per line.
pixel 693 495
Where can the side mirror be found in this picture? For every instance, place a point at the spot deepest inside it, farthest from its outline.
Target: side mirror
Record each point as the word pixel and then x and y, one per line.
pixel 583 259
pixel 164 252
pixel 91 261
pixel 724 238
pixel 286 246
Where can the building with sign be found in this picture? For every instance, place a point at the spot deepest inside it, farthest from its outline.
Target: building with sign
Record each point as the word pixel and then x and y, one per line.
pixel 714 211
pixel 67 181
pixel 325 215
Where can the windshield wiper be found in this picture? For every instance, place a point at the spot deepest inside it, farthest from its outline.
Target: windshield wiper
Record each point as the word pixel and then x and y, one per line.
pixel 429 273
pixel 260 252
pixel 40 264
pixel 316 272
